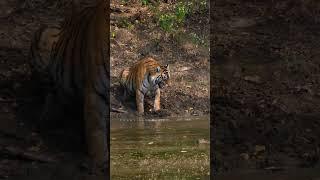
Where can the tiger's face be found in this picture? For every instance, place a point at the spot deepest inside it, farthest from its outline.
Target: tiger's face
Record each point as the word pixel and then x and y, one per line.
pixel 161 76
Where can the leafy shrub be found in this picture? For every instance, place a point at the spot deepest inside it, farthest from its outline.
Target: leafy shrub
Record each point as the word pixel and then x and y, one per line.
pixel 125 23
pixel 170 20
pixel 181 12
pixel 167 21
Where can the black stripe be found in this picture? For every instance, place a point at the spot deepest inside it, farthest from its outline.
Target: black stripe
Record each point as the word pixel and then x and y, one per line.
pixel 143 84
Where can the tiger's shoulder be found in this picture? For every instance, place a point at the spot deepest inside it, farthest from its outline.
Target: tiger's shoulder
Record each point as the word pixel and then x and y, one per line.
pixel 143 66
pixel 147 64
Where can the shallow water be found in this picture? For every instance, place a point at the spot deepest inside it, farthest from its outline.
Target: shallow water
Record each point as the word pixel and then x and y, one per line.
pixel 175 148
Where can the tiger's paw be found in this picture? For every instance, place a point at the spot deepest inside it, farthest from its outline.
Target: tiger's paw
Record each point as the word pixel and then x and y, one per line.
pixel 139 114
pixel 160 113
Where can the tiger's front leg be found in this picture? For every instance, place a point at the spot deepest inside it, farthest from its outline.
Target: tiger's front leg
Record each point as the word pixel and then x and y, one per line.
pixel 95 116
pixel 156 104
pixel 139 102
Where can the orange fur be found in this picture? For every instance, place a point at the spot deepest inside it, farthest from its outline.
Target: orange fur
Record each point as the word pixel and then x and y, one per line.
pixel 133 79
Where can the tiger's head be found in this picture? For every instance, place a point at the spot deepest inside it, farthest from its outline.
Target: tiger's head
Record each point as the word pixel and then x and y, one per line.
pixel 160 76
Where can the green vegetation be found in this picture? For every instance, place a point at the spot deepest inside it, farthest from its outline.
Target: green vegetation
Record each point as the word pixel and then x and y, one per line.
pixel 145 2
pixel 172 21
pixel 125 23
pixel 167 22
pixel 171 18
pixel 174 18
pixel 181 12
pixel 113 34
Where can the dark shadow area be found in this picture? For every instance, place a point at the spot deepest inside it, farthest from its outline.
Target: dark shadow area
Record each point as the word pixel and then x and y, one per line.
pixel 29 151
pixel 265 82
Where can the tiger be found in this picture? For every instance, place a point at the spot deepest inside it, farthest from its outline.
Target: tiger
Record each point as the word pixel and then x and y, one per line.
pixel 75 59
pixel 147 76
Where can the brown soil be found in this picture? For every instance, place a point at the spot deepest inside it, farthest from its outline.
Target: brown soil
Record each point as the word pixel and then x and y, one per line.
pixel 265 87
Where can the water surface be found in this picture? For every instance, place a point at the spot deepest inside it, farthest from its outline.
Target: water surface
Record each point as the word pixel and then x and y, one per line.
pixel 175 148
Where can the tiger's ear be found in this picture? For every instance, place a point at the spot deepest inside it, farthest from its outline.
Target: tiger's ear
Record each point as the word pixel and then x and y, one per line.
pixel 167 67
pixel 158 69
